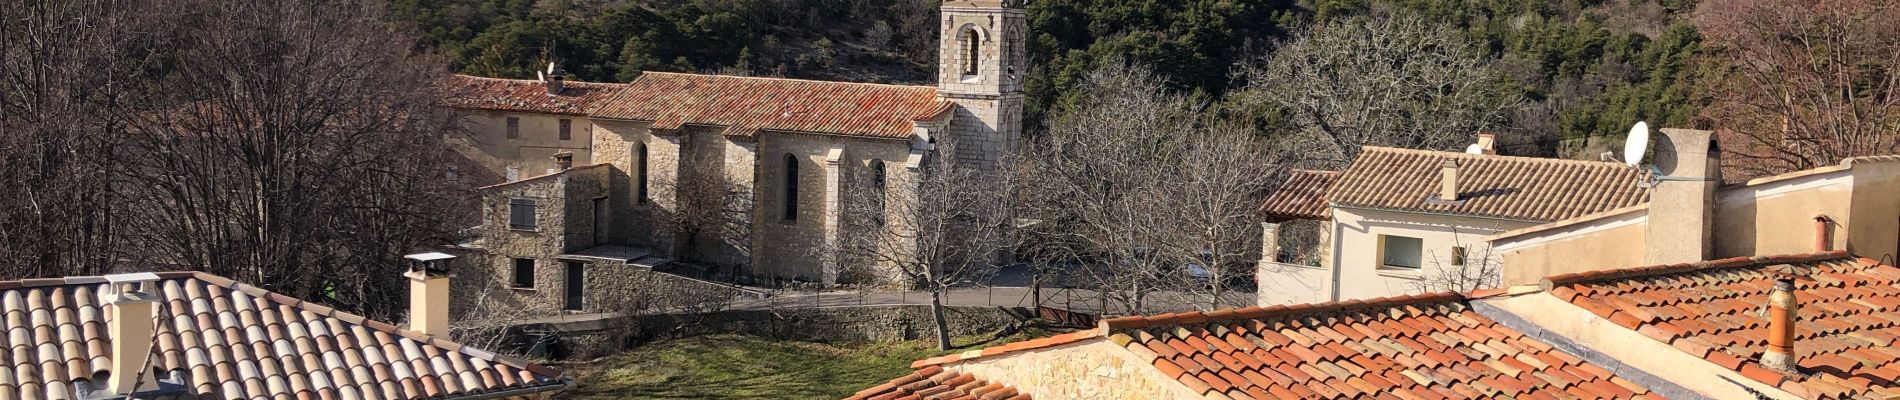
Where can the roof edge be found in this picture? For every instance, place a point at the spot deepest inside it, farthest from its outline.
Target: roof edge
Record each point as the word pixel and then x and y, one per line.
pixel 1256 312
pixel 1032 344
pixel 1493 156
pixel 1731 262
pixel 537 178
pixel 1586 218
pixel 645 73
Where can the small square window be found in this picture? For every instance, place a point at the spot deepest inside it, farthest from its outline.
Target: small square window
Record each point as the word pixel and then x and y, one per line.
pixel 521 214
pixel 1458 256
pixel 514 128
pixel 1399 252
pixel 567 129
pixel 524 273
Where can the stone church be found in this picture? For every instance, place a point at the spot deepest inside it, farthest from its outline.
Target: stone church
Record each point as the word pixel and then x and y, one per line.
pixel 752 174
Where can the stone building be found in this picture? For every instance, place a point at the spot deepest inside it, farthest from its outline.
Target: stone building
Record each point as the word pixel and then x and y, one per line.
pixel 752 174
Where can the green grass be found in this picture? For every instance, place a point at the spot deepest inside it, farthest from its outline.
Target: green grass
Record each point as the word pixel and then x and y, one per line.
pixel 751 367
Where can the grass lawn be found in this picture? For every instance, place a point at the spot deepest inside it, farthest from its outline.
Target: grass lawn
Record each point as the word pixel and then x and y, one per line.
pixel 751 367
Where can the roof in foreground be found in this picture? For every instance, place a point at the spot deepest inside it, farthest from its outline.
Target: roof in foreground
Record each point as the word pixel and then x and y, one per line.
pixel 935 383
pixel 1302 196
pixel 1415 347
pixel 746 105
pixel 232 340
pixel 1844 335
pixel 481 93
pixel 1517 188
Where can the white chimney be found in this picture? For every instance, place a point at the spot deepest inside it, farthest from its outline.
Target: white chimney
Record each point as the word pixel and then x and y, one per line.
pixel 1448 184
pixel 1682 204
pixel 130 329
pixel 429 293
pixel 1488 142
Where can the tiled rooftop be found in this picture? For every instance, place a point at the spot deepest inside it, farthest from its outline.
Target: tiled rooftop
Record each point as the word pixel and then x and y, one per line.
pixel 1517 188
pixel 1302 196
pixel 1415 347
pixel 480 93
pixel 1845 331
pixel 236 341
pixel 746 105
pixel 936 383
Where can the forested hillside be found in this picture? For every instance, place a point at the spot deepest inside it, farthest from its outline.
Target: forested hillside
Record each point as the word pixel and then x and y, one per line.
pixel 1584 67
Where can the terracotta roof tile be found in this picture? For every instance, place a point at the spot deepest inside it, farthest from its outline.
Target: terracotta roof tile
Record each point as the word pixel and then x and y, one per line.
pixel 232 341
pixel 1518 188
pixel 1711 309
pixel 934 382
pixel 1301 196
pixel 480 93
pixel 746 105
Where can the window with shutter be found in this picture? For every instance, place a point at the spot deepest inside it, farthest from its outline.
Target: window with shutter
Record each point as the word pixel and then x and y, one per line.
pixel 521 214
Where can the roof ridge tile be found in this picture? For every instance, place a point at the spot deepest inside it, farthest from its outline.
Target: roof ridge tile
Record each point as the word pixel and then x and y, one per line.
pixel 1733 262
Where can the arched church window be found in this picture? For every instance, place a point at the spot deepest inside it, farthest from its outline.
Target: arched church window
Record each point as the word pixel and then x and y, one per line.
pixel 791 187
pixel 971 51
pixel 877 192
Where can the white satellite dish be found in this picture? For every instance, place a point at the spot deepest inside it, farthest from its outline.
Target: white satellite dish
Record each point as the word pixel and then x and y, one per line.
pixel 1636 144
pixel 1474 149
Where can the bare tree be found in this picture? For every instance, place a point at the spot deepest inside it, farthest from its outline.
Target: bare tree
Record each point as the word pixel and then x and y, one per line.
pixel 71 73
pixel 299 149
pixel 944 225
pixel 1803 83
pixel 1391 81
pixel 1213 209
pixel 713 217
pixel 1138 190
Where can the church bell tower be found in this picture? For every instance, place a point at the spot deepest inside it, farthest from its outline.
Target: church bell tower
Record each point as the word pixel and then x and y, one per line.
pixel 981 65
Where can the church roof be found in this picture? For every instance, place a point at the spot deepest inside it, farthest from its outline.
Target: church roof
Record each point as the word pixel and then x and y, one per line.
pixel 526 95
pixel 746 105
pixel 1493 186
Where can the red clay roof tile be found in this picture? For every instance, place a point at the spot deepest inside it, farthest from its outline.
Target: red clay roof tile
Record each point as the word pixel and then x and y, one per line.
pixel 1301 196
pixel 1519 188
pixel 479 93
pixel 1710 309
pixel 746 105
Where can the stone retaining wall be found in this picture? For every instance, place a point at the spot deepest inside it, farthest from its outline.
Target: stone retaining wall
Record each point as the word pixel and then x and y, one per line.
pixel 596 338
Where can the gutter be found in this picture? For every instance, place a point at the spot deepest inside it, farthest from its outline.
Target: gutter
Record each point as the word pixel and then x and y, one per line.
pixel 563 384
pixel 1529 221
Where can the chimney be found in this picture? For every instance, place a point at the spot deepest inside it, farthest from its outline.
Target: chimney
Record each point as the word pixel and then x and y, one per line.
pixel 1682 203
pixel 429 293
pixel 1823 237
pixel 130 330
pixel 1488 142
pixel 1448 183
pixel 563 160
pixel 556 80
pixel 1781 316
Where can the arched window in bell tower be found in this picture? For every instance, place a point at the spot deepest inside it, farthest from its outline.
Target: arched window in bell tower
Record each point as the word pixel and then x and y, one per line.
pixel 972 50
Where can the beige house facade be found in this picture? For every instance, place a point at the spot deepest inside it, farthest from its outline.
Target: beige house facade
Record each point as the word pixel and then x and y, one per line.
pixel 762 176
pixel 1404 221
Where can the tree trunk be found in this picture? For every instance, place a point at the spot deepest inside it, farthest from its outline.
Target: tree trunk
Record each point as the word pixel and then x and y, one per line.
pixel 1035 288
pixel 936 315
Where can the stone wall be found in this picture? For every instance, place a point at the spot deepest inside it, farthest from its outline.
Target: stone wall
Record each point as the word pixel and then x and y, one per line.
pixel 1089 369
pixel 594 338
pixel 788 248
pixel 564 222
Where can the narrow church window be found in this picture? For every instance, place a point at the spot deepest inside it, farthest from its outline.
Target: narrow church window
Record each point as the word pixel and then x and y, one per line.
pixel 972 51
pixel 514 128
pixel 640 174
pixel 791 187
pixel 567 129
pixel 877 193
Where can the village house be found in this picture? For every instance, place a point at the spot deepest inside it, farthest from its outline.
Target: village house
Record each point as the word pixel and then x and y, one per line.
pixel 1515 220
pixel 1399 221
pixel 185 335
pixel 750 174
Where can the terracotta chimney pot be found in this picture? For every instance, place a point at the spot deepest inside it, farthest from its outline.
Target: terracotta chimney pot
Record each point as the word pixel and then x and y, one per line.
pixel 1781 318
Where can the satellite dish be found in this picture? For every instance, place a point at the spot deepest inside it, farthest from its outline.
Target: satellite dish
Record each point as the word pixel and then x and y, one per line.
pixel 550 68
pixel 1636 144
pixel 1474 149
